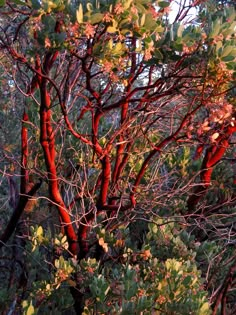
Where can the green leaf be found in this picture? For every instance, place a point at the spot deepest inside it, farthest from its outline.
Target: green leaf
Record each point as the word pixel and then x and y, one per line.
pixel 229 29
pixel 111 29
pixel 163 4
pixel 218 47
pixel 96 18
pixel 227 50
pixel 158 54
pixel 57 264
pixel 141 8
pixel 143 1
pixel 180 30
pixel 154 228
pixel 232 15
pixel 109 44
pixel 35 4
pixel 39 231
pixel 79 14
pixel 118 49
pixel 60 38
pixel 231 65
pixel 172 296
pixel 57 242
pixel 204 310
pixel 124 23
pixel 125 31
pixel 89 7
pixel 97 49
pixel 64 239
pixel 127 4
pixel 19 2
pixel 2 3
pixel 142 21
pixel 30 310
pixel 178 46
pixel 159 29
pixel 187 281
pixel 49 21
pixel 215 29
pixel 228 58
pixel 150 23
pixel 61 261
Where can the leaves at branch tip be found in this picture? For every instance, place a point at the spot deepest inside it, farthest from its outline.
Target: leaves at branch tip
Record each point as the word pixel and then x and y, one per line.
pixel 163 4
pixel 96 18
pixel 79 14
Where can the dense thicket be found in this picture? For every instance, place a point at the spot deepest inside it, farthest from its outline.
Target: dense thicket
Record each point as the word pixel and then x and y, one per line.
pixel 117 157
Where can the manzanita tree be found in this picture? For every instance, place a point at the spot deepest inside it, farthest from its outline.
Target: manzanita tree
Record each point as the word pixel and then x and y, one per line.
pixel 124 117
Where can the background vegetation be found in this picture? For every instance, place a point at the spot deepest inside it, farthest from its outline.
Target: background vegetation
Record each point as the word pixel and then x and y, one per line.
pixel 117 157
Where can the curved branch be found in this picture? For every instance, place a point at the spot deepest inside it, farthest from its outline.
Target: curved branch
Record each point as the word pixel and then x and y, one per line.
pixel 157 149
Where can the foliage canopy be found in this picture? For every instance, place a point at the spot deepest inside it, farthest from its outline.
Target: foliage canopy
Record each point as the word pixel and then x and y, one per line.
pixel 117 156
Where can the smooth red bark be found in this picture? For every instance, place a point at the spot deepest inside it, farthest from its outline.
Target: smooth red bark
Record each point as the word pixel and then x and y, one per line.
pixel 47 139
pixel 212 156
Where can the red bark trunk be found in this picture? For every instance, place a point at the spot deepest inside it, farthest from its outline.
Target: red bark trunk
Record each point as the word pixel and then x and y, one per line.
pixel 47 140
